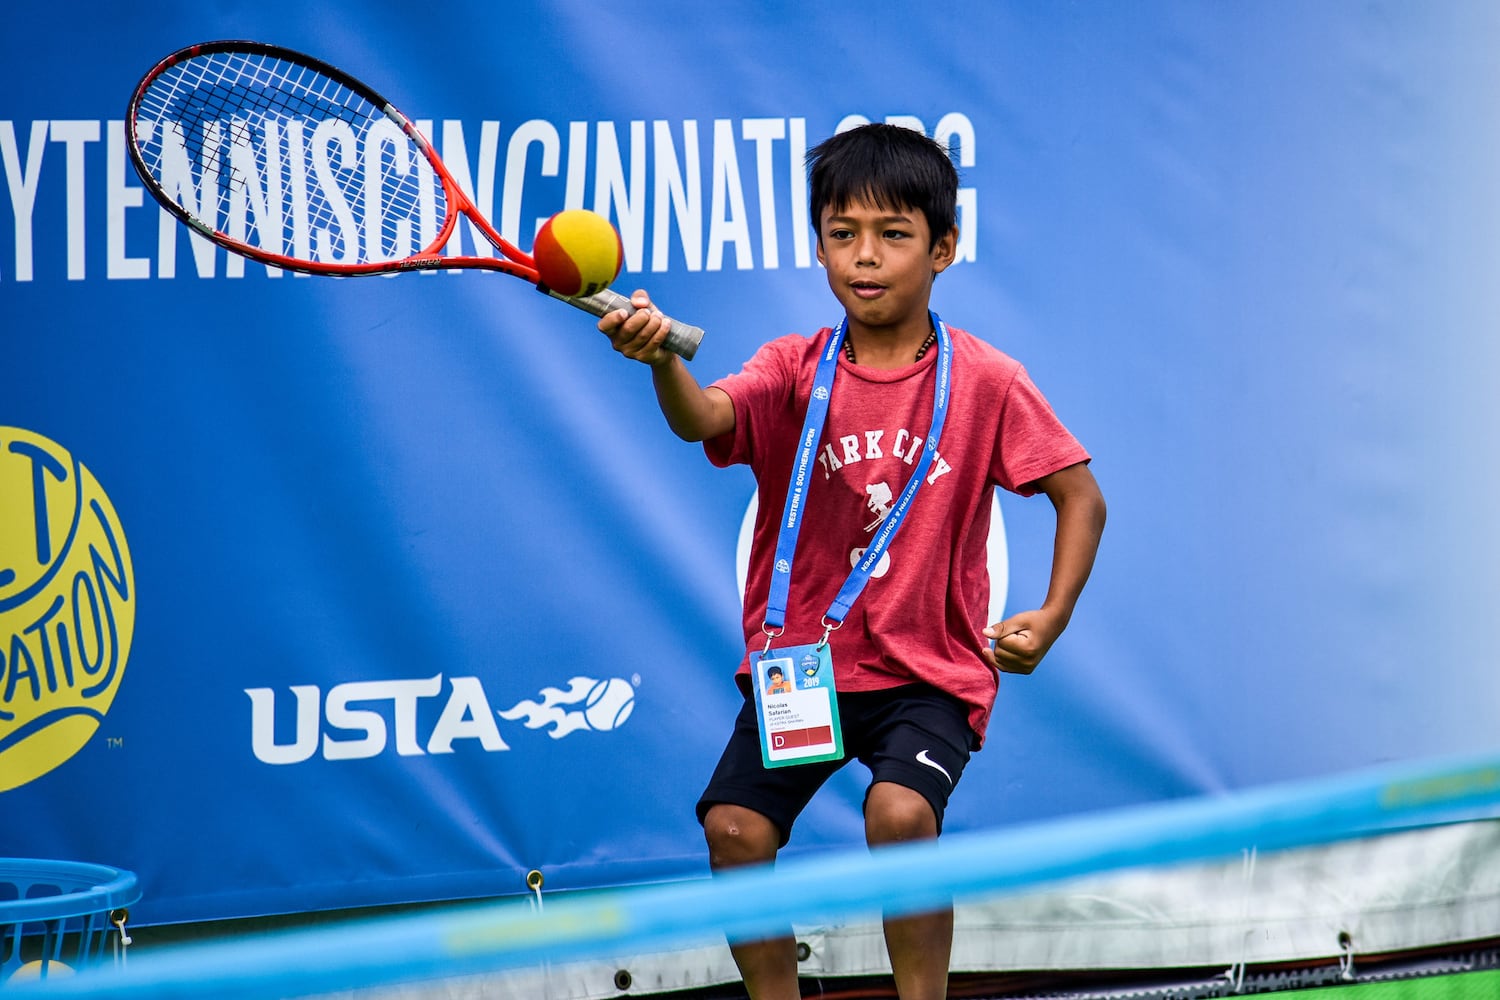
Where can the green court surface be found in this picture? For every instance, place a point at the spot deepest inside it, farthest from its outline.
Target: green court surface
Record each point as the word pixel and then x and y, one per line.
pixel 1463 986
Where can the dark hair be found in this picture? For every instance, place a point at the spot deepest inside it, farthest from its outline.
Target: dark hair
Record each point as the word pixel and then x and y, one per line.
pixel 890 166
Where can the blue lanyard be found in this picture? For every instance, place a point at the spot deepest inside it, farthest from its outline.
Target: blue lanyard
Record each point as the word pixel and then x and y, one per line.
pixel 796 496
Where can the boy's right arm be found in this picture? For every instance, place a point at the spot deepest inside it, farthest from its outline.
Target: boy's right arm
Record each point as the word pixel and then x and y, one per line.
pixel 693 412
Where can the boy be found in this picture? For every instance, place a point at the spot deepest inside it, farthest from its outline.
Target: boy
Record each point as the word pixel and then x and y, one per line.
pixel 915 664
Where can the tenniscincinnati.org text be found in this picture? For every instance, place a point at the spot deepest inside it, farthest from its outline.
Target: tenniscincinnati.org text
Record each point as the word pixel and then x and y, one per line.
pixel 703 196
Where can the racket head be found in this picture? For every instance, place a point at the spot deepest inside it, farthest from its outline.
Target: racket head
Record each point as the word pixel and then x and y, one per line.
pixel 286 159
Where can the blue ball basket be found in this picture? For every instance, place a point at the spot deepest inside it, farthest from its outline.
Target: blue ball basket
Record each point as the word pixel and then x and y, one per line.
pixel 55 916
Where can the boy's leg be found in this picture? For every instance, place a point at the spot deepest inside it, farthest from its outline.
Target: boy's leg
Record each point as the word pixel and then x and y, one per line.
pixel 739 836
pixel 747 812
pixel 919 946
pixel 917 746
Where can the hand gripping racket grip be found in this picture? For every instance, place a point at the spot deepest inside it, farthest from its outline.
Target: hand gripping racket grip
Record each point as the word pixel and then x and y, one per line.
pixel 682 340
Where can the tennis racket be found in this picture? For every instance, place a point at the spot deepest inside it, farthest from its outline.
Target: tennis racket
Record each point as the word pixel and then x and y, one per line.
pixel 289 161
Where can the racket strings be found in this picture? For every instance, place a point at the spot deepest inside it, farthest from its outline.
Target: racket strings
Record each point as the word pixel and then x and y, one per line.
pixel 287 160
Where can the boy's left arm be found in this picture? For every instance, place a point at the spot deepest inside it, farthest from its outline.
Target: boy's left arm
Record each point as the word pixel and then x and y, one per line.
pixel 1021 640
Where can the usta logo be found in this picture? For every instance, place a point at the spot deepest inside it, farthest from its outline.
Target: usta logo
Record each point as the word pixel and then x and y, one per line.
pixel 350 723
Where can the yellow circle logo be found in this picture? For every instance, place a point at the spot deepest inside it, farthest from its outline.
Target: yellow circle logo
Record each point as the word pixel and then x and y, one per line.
pixel 67 605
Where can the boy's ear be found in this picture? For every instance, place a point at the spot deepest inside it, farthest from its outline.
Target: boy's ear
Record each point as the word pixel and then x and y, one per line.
pixel 943 251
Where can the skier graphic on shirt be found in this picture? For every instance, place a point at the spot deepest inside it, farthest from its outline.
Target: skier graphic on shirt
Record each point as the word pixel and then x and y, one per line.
pixel 878 498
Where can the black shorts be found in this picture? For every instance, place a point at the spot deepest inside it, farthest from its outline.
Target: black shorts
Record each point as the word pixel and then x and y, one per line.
pixel 914 735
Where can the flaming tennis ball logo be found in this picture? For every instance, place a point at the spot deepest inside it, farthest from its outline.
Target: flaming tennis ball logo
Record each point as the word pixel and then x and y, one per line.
pixel 67 605
pixel 578 252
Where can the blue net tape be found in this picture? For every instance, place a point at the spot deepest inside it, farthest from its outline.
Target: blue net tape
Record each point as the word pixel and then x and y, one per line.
pixel 757 902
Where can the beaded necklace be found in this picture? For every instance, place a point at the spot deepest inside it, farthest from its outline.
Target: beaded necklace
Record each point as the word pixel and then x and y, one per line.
pixel 921 351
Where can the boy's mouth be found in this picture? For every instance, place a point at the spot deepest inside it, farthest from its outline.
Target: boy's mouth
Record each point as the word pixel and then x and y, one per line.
pixel 866 289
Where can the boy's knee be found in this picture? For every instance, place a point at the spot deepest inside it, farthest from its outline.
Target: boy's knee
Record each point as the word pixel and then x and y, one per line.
pixel 895 813
pixel 739 836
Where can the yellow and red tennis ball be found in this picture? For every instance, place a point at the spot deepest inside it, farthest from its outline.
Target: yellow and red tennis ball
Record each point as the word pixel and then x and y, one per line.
pixel 577 252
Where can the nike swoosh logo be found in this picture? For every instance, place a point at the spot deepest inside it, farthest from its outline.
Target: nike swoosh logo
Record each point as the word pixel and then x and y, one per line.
pixel 922 758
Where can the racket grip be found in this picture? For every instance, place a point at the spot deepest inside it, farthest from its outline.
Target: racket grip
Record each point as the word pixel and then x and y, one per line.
pixel 682 339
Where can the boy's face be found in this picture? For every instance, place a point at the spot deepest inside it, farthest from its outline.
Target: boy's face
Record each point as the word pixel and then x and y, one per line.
pixel 881 262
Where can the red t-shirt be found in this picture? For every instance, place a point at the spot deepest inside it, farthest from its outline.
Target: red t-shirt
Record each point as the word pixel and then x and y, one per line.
pixel 919 618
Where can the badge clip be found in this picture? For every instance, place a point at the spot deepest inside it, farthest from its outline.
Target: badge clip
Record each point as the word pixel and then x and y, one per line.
pixel 771 637
pixel 828 629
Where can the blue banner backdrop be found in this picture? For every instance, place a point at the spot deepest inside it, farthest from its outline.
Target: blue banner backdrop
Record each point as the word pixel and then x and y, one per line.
pixel 319 593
